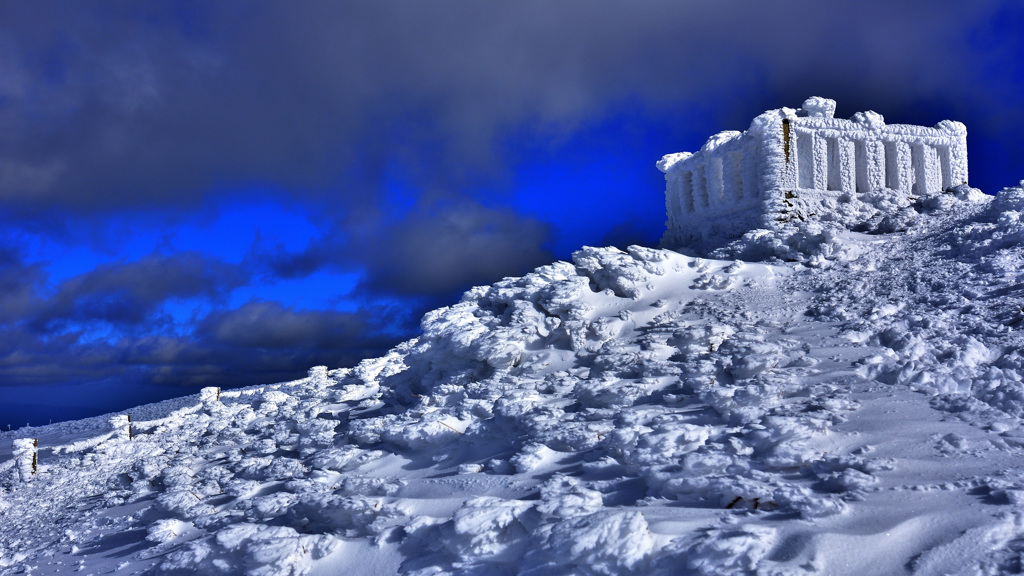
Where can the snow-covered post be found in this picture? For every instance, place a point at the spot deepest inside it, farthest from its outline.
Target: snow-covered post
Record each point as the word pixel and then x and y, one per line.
pixel 26 456
pixel 122 426
pixel 318 377
pixel 209 395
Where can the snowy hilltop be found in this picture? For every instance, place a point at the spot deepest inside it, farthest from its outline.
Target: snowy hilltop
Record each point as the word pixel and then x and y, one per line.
pixel 860 411
pixel 812 397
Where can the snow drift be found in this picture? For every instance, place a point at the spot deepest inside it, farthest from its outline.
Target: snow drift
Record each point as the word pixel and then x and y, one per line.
pixel 851 403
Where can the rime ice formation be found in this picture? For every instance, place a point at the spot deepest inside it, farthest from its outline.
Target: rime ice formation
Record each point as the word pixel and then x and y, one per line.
pixel 794 165
pixel 853 406
pixel 629 412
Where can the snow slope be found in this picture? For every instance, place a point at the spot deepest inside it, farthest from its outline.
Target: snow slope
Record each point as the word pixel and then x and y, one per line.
pixel 853 404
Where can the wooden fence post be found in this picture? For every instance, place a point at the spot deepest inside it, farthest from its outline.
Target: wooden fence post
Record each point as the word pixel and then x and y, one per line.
pixel 26 454
pixel 318 376
pixel 209 395
pixel 122 426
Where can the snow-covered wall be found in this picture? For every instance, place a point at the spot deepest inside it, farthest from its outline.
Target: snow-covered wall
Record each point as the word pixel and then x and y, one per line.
pixel 790 161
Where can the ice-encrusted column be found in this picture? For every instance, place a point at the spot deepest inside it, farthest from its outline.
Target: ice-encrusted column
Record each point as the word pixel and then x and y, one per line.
pixel 869 156
pixel 715 181
pixel 679 203
pixel 834 164
pixel 673 204
pixel 956 134
pixel 876 165
pixel 945 170
pixel 847 170
pixel 821 160
pixel 904 166
pixel 920 167
pixel 932 169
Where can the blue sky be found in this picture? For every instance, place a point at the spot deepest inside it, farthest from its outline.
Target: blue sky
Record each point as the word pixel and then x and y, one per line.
pixel 197 193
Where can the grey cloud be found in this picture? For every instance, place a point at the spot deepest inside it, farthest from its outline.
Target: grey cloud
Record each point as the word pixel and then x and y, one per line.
pixel 325 251
pixel 51 338
pixel 444 247
pixel 440 246
pixel 128 293
pixel 19 283
pixel 105 105
pixel 271 325
pixel 26 358
pixel 259 342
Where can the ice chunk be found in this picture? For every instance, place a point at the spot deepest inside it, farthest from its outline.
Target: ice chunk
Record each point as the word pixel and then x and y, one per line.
pixel 604 543
pixel 818 107
pixel 732 550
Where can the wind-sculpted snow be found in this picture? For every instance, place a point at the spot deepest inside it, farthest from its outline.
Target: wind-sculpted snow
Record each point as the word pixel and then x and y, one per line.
pixel 856 410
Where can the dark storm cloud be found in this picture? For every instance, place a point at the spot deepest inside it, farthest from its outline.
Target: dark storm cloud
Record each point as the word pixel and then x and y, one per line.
pixel 271 325
pixel 62 334
pixel 19 282
pixel 259 342
pixel 27 357
pixel 53 338
pixel 128 293
pixel 442 247
pixel 438 247
pixel 107 105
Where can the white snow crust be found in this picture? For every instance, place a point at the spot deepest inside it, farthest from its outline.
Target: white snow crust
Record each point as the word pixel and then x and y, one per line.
pixel 812 400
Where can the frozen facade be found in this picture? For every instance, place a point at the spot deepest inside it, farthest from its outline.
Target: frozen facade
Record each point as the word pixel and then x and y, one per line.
pixel 793 165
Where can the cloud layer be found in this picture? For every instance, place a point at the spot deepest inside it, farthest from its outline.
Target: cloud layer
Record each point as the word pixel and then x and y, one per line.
pixel 113 323
pixel 107 105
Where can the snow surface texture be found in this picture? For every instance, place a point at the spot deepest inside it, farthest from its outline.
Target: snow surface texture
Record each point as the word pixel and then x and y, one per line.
pixel 858 410
pixel 805 164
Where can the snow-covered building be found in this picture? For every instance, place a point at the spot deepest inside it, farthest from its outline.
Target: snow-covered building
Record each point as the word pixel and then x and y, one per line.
pixel 792 165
